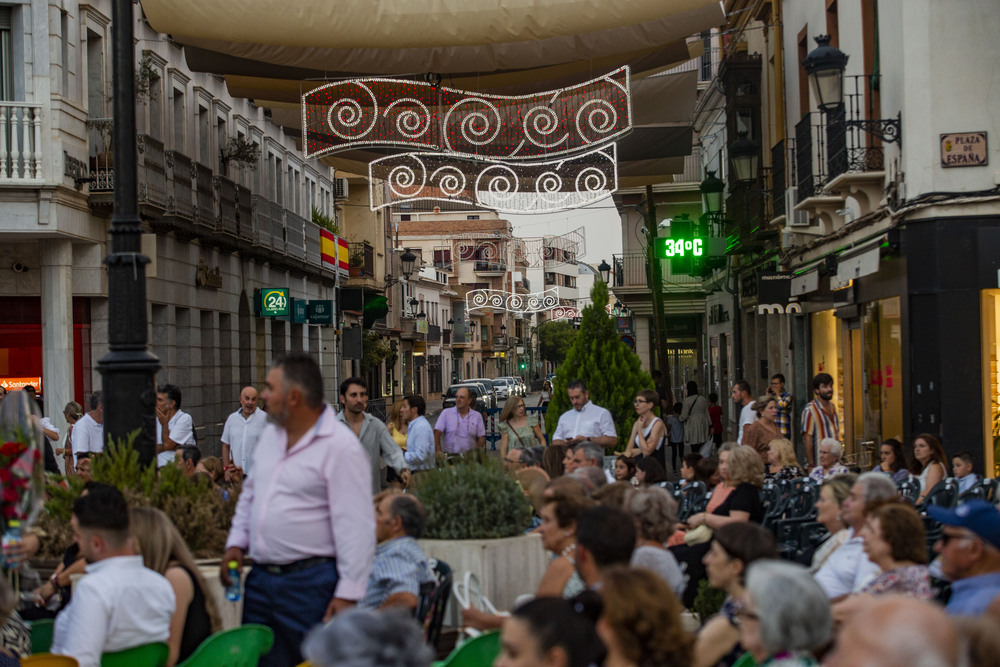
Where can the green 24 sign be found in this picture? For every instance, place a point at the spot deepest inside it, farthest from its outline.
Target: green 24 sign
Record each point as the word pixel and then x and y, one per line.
pixel 274 302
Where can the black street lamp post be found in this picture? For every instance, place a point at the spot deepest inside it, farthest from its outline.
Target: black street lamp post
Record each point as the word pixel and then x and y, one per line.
pixel 129 369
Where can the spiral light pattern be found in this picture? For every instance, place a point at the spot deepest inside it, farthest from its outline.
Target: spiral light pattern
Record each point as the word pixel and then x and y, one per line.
pixel 409 122
pixel 348 118
pixel 512 302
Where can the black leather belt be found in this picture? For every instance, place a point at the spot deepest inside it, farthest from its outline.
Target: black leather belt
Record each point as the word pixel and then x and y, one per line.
pixel 297 566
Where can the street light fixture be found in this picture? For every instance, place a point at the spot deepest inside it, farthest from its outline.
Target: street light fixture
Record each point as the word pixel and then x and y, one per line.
pixel 711 193
pixel 605 270
pixel 825 67
pixel 745 153
pixel 407 259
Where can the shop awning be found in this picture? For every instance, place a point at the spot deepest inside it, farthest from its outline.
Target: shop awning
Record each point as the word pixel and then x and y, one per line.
pixel 805 283
pixel 858 264
pixel 587 27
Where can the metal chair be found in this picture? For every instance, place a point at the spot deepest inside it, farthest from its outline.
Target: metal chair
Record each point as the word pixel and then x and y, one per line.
pixel 433 600
pixel 693 498
pixel 909 490
pixel 944 494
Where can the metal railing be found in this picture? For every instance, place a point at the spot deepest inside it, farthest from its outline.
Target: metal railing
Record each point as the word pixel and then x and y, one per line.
pixel 153 175
pixel 244 213
pixel 227 223
pixel 810 154
pixel 365 254
pixel 180 171
pixel 482 266
pixel 778 155
pixel 20 141
pixel 851 149
pixel 630 271
pixel 295 242
pixel 204 182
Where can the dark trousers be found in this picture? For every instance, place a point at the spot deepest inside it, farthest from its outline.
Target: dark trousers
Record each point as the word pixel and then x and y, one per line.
pixel 676 455
pixel 290 604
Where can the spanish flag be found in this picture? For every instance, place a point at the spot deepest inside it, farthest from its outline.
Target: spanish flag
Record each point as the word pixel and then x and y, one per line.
pixel 333 250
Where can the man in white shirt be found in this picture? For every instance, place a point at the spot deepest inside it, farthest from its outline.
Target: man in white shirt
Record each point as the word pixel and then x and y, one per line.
pixel 743 396
pixel 88 432
pixel 585 421
pixel 241 432
pixel 848 569
pixel 119 603
pixel 174 427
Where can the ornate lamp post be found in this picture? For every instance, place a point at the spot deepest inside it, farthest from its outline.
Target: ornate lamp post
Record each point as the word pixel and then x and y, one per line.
pixel 129 369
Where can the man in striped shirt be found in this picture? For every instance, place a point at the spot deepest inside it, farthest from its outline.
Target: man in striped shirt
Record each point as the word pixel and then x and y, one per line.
pixel 819 419
pixel 400 566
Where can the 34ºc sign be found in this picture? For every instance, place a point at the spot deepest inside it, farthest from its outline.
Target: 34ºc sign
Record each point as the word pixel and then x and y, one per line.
pixel 964 149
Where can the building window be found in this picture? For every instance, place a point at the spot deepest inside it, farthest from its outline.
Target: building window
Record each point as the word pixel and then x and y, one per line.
pixel 991 379
pixel 6 55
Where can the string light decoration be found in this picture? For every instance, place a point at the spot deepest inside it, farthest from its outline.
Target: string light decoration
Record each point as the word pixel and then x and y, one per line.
pixel 417 115
pixel 502 186
pixel 529 253
pixel 536 302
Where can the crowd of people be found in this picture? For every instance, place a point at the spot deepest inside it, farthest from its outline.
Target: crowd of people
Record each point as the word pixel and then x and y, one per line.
pixel 338 574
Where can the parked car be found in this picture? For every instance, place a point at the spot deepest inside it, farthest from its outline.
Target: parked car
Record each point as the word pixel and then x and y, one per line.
pixel 494 400
pixel 513 387
pixel 522 388
pixel 502 387
pixel 449 396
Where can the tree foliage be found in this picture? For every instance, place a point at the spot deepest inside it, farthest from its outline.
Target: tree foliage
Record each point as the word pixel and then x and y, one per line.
pixel 554 340
pixel 610 368
pixel 374 350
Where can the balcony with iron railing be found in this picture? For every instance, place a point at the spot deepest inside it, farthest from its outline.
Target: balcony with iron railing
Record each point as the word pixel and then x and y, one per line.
pixel 361 258
pixel 630 271
pixel 486 268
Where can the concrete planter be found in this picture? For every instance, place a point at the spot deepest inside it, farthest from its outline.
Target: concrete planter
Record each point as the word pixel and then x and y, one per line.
pixel 506 568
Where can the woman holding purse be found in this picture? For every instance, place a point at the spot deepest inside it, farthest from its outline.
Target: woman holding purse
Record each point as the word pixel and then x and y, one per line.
pixel 695 417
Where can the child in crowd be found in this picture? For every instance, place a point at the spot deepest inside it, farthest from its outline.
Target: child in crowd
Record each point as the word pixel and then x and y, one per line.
pixel 688 463
pixel 962 465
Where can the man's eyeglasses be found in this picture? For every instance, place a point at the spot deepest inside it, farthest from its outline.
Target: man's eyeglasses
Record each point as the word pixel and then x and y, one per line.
pixel 639 400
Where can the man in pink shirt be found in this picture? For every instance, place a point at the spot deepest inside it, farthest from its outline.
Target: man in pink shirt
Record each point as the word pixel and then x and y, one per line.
pixel 305 515
pixel 459 429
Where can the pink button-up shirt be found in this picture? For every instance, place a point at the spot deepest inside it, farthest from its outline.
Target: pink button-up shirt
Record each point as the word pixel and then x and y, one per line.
pixel 311 500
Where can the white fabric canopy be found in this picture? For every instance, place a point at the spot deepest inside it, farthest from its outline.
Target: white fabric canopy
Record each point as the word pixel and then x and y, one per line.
pixel 405 24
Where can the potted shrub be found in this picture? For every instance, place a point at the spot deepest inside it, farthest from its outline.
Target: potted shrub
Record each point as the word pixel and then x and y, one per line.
pixel 476 518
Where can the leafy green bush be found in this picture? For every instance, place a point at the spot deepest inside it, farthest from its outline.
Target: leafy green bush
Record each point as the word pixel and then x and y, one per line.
pixel 472 500
pixel 197 508
pixel 708 602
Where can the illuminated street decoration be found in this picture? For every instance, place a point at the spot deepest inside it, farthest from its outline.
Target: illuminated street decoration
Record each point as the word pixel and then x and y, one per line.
pixel 536 302
pixel 412 114
pixel 489 247
pixel 507 187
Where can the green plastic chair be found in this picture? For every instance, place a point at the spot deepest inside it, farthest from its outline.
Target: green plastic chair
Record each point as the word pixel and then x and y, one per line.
pixel 475 652
pixel 147 655
pixel 41 635
pixel 239 647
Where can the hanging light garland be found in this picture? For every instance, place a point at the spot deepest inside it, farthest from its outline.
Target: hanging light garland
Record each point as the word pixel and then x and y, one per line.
pixel 414 114
pixel 510 302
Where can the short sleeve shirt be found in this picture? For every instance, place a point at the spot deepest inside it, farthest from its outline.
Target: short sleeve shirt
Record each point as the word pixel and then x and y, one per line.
pixel 459 434
pixel 241 434
pixel 181 431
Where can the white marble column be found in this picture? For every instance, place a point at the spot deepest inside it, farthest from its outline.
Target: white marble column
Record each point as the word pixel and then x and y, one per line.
pixel 57 329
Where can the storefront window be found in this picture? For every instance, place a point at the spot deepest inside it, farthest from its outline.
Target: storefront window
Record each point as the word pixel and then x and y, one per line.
pixel 883 414
pixel 828 357
pixel 991 377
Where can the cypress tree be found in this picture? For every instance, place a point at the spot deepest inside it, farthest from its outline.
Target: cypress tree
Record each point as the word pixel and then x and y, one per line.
pixel 610 368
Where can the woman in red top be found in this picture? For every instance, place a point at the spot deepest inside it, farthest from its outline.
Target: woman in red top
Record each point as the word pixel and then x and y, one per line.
pixel 715 414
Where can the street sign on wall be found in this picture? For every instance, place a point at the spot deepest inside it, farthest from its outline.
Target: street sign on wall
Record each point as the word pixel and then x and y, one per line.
pixel 320 312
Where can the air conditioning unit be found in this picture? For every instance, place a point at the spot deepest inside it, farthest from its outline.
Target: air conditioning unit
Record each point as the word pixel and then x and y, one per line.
pixel 340 188
pixel 795 218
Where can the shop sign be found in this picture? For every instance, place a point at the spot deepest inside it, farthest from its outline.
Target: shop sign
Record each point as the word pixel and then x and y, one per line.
pixel 774 294
pixel 275 302
pixel 320 311
pixel 205 277
pixel 15 384
pixel 964 149
pixel 299 311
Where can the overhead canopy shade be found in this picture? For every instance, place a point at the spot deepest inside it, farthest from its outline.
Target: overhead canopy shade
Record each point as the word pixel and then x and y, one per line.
pixel 409 24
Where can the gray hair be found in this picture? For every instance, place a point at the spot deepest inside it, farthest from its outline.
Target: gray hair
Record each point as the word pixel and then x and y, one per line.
pixel 836 448
pixel 593 478
pixel 877 486
pixel 794 611
pixel 366 637
pixel 410 511
pixel 532 456
pixel 655 510
pixel 591 451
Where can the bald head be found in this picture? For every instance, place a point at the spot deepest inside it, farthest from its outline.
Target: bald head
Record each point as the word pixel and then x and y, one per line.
pixel 895 631
pixel 248 400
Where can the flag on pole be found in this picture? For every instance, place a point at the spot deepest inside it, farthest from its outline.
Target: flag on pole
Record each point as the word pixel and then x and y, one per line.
pixel 333 251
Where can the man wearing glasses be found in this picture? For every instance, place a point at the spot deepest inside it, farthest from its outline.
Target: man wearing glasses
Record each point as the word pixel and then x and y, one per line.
pixel 585 421
pixel 969 551
pixel 784 417
pixel 460 428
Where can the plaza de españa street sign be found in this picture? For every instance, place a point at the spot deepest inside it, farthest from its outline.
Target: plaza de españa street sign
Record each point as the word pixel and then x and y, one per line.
pixel 274 302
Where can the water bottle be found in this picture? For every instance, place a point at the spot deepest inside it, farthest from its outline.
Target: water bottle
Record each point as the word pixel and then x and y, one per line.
pixel 11 538
pixel 233 589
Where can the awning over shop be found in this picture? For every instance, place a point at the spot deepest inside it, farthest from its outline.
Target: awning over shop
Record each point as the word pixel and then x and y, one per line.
pixel 859 264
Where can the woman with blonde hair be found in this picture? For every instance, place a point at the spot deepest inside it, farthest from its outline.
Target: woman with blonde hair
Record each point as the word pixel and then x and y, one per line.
pixel 396 424
pixel 761 432
pixel 163 550
pixel 641 621
pixel 516 430
pixel 781 461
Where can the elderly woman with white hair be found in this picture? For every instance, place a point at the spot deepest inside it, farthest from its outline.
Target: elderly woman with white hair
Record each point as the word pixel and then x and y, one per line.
pixel 830 451
pixel 655 513
pixel 366 637
pixel 785 618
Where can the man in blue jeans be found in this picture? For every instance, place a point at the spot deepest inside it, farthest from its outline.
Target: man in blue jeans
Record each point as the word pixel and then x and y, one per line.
pixel 305 515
